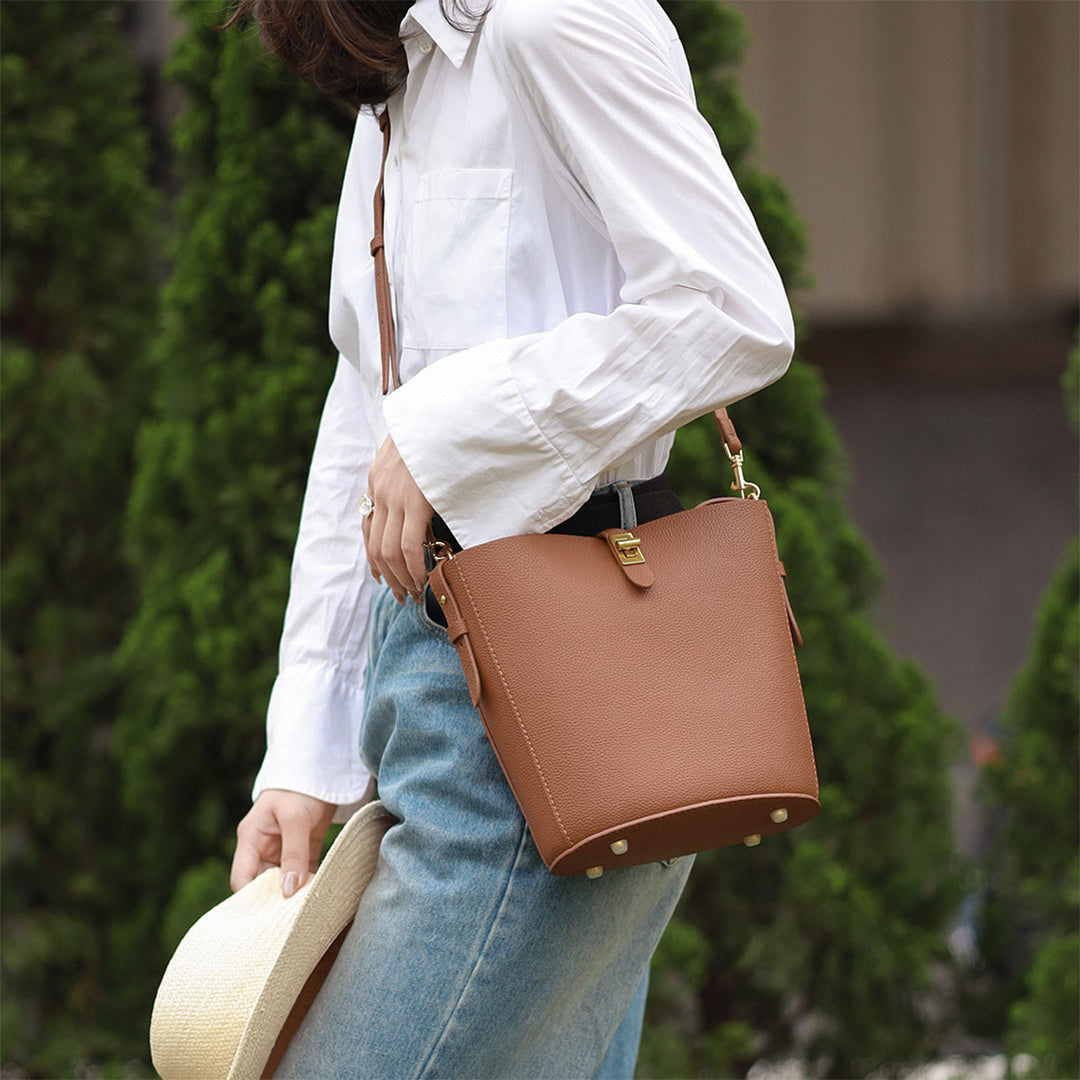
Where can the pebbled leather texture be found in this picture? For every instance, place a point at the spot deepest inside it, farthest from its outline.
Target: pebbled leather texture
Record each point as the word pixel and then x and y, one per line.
pixel 671 716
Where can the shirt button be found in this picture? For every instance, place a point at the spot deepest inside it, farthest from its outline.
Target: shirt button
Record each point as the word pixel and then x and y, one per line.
pixel 425 46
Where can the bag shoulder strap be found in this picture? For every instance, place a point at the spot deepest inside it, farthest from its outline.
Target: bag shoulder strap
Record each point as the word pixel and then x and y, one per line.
pixel 383 302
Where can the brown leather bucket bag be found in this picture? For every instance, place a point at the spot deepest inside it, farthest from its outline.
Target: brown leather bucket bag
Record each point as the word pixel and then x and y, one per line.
pixel 639 687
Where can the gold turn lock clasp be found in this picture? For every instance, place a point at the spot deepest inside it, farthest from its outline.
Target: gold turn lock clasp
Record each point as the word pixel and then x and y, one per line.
pixel 629 556
pixel 627 548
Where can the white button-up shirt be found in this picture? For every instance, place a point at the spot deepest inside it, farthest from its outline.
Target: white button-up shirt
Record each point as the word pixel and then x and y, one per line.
pixel 575 275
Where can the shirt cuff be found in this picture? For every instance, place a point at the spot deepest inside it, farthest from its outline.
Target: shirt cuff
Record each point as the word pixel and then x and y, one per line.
pixel 313 739
pixel 523 485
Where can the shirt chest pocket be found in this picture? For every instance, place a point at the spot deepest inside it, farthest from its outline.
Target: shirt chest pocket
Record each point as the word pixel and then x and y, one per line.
pixel 454 280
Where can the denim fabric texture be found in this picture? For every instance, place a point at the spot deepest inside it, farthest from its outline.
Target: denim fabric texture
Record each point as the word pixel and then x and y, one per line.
pixel 467 958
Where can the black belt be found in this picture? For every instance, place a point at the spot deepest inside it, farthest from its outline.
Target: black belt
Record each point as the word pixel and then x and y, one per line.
pixel 652 499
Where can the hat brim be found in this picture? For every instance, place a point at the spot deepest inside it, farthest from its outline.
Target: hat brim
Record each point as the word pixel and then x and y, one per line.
pixel 236 977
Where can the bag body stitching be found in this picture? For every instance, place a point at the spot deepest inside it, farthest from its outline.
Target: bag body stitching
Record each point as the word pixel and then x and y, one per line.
pixel 513 705
pixel 791 644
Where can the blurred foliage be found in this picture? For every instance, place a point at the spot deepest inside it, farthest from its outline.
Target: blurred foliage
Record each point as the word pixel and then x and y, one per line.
pixel 78 236
pixel 1031 911
pixel 1043 1023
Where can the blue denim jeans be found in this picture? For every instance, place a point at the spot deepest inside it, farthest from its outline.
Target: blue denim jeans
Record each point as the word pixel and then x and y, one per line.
pixel 467 958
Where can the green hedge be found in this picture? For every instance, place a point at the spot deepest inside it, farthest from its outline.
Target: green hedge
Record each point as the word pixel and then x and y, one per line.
pixel 79 251
pixel 1031 913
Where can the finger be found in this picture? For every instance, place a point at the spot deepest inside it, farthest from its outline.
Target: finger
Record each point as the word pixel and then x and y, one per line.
pixel 296 839
pixel 314 851
pixel 385 551
pixel 258 845
pixel 366 529
pixel 412 545
pixel 393 558
pixel 247 864
pixel 376 543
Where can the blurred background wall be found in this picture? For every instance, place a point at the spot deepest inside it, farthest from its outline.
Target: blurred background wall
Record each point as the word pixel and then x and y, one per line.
pixel 932 149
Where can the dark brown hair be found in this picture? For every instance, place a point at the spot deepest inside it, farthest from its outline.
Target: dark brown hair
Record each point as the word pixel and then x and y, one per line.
pixel 348 49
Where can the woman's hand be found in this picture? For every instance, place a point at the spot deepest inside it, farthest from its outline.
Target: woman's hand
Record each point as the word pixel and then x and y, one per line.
pixel 283 828
pixel 394 531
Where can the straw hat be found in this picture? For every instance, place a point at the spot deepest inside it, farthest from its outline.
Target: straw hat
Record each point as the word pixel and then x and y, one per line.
pixel 248 970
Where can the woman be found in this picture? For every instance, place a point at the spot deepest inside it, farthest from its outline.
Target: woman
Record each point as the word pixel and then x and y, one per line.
pixel 574 275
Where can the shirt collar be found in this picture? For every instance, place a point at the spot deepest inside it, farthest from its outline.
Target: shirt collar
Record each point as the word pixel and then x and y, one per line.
pixel 427 15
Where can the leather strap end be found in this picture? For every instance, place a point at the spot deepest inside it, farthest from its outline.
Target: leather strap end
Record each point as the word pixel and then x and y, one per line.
pixel 727 430
pixel 640 575
pixel 455 629
pixel 796 633
pixel 468 665
pixel 455 625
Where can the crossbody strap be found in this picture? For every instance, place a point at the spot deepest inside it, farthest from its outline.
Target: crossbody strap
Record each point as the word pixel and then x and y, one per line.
pixel 391 377
pixel 383 302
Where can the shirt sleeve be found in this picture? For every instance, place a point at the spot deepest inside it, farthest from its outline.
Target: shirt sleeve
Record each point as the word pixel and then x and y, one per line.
pixel 313 721
pixel 703 319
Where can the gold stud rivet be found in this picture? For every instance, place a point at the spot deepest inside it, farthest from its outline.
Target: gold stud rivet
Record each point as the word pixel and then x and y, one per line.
pixel 442 599
pixel 752 840
pixel 594 871
pixel 620 847
pixel 779 815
